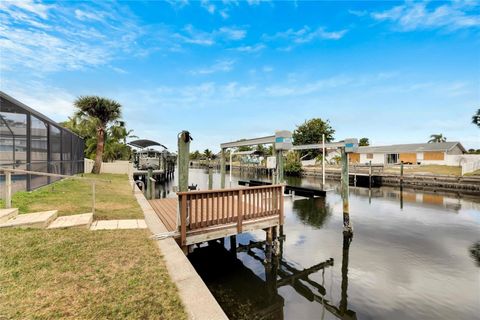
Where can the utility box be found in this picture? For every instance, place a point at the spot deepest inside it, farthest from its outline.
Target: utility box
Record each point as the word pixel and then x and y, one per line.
pixel 271 162
pixel 283 140
pixel 351 145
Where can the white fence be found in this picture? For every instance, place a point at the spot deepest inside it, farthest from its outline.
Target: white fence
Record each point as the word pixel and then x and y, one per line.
pixel 470 167
pixel 116 167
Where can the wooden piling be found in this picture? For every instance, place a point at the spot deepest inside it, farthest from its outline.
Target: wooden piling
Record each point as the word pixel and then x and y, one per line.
pixel 370 174
pixel 401 174
pixel 280 175
pixel 150 183
pixel 345 182
pixel 183 159
pixel 222 169
pixel 210 175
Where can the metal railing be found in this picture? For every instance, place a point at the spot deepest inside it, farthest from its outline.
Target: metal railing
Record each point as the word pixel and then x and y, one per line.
pixel 8 182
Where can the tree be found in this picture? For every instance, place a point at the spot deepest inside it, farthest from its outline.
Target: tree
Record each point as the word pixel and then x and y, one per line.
pixel 101 112
pixel 310 132
pixel 116 135
pixel 293 165
pixel 208 154
pixel 364 142
pixel 476 118
pixel 195 155
pixel 261 150
pixel 437 138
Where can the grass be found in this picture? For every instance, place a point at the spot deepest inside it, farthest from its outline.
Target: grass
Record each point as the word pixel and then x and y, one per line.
pixel 80 274
pixel 114 200
pixel 474 173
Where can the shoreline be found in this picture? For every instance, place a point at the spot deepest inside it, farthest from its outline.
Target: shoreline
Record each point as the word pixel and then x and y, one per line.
pixel 197 299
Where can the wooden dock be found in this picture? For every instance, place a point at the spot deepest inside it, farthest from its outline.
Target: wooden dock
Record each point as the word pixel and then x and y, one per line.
pixel 212 214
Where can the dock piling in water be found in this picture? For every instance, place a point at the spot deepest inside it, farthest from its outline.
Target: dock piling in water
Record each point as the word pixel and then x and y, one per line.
pixel 347 227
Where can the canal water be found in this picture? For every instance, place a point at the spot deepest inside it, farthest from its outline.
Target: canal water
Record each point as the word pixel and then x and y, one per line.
pixel 412 256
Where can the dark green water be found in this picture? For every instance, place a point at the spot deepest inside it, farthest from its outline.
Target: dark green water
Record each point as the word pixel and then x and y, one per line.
pixel 410 258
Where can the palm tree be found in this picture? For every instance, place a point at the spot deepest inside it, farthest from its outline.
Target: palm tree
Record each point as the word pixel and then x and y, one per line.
pixel 208 153
pixel 436 138
pixel 476 118
pixel 101 111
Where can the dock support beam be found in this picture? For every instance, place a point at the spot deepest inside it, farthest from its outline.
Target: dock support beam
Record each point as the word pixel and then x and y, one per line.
pixel 222 169
pixel 347 227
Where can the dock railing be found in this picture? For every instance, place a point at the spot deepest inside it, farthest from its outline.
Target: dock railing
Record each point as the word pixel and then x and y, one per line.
pixel 211 208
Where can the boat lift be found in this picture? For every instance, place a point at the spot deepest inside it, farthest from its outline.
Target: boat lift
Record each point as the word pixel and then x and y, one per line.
pixel 282 141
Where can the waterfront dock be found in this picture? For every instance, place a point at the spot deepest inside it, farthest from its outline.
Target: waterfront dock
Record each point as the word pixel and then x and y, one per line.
pixel 200 216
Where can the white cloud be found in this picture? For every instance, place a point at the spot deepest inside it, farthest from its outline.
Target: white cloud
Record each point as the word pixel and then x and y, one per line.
pixel 233 33
pixel 54 102
pixel 194 36
pixel 306 34
pixel 85 15
pixel 422 15
pixel 208 6
pixel 178 3
pixel 358 13
pixel 251 49
pixel 307 88
pixel 267 69
pixel 119 70
pixel 49 38
pixel 219 66
pixel 224 14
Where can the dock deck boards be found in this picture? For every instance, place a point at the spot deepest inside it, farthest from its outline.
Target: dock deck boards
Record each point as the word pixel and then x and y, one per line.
pixel 166 210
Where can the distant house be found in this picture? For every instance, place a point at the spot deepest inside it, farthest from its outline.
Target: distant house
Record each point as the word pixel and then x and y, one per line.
pixel 443 153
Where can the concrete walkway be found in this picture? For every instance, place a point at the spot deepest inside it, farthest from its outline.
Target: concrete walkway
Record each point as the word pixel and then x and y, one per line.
pixel 118 224
pixel 199 302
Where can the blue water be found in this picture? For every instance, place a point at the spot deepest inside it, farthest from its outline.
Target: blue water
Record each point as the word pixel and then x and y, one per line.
pixel 410 258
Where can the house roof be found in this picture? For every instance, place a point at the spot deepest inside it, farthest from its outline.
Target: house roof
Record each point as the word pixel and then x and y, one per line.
pixel 413 147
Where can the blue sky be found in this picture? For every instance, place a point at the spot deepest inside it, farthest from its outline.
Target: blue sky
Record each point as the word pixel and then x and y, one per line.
pixel 394 72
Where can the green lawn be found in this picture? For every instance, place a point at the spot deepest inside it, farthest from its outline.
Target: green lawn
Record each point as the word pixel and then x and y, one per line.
pixel 114 200
pixel 427 169
pixel 81 274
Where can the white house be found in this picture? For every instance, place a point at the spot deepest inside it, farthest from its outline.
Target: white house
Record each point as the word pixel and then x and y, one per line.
pixel 443 153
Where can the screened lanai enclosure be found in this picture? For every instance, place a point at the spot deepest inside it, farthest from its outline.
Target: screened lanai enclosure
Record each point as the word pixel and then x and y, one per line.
pixel 31 141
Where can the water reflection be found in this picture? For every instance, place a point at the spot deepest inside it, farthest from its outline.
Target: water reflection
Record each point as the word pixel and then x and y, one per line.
pixel 314 212
pixel 252 292
pixel 416 262
pixel 475 252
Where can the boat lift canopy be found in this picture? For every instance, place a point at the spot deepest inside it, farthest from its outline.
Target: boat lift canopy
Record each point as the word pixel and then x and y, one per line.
pixel 144 143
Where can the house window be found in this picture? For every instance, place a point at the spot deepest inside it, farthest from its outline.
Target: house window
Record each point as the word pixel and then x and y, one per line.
pixel 392 158
pixel 369 155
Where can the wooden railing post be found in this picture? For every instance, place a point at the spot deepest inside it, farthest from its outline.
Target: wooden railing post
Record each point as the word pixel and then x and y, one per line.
pixel 240 211
pixel 183 219
pixel 282 218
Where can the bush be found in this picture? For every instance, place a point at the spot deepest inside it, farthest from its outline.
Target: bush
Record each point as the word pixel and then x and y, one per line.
pixel 293 165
